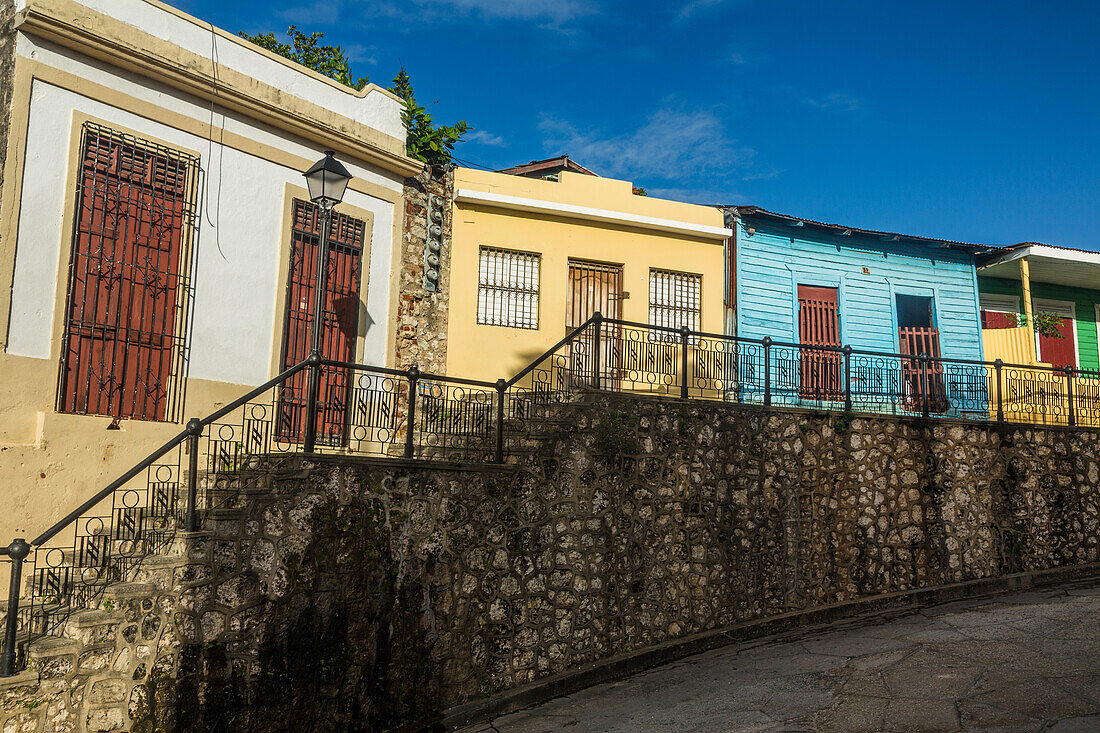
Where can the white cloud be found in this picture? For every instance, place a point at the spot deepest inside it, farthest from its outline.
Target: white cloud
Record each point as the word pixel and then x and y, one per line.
pixel 481 137
pixel 358 53
pixel 550 13
pixel 672 144
pixel 836 100
pixel 693 7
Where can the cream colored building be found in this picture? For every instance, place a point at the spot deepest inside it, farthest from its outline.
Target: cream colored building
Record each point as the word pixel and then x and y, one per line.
pixel 152 204
pixel 533 257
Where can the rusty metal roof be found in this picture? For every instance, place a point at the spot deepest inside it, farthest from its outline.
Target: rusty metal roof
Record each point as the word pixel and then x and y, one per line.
pixel 749 210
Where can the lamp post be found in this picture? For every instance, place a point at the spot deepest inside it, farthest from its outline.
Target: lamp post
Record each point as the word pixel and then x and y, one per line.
pixel 327 180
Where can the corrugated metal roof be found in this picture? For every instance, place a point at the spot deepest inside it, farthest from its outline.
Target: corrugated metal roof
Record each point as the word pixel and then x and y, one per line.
pixel 749 210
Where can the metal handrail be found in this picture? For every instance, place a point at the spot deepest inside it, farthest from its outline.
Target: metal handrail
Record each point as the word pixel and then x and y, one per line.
pixel 19 549
pixel 595 318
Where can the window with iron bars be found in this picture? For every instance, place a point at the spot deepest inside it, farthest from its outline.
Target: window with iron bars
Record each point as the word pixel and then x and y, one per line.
pixel 124 345
pixel 508 288
pixel 674 300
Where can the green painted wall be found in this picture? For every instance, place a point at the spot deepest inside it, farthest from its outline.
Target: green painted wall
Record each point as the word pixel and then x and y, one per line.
pixel 1084 302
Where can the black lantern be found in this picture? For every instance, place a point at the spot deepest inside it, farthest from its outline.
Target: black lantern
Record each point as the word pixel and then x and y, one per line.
pixel 327 181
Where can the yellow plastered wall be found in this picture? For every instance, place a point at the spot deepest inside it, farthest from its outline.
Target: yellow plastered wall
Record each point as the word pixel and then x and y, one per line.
pixel 491 352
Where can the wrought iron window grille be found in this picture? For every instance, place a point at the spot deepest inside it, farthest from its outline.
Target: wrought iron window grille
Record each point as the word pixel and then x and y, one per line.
pixel 508 288
pixel 124 347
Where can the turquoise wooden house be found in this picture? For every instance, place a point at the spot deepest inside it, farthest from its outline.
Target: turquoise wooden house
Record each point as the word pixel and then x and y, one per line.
pixel 808 284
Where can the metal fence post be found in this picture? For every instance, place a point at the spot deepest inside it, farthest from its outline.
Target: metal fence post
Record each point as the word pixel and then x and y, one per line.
pixel 17 551
pixel 684 333
pixel 998 365
pixel 410 421
pixel 847 351
pixel 311 401
pixel 1069 396
pixel 502 387
pixel 194 427
pixel 767 342
pixel 597 320
pixel 924 382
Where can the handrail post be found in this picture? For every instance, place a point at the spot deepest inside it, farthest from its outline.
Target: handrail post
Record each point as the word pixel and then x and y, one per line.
pixel 597 321
pixel 924 382
pixel 17 551
pixel 1069 397
pixel 410 421
pixel 684 333
pixel 767 342
pixel 194 428
pixel 311 401
pixel 847 351
pixel 502 387
pixel 998 365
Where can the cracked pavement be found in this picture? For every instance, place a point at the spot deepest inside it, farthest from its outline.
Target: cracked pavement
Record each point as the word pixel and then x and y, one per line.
pixel 1022 662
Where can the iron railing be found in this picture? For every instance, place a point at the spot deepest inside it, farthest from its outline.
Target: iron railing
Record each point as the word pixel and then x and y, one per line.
pixel 412 414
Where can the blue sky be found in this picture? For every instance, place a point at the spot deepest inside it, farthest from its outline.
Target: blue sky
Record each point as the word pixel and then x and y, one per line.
pixel 969 120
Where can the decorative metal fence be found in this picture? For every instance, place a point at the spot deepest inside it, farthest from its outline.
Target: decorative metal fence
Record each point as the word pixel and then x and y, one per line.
pixel 357 409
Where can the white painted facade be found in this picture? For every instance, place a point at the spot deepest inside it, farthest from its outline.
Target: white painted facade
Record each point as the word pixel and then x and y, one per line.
pixel 238 243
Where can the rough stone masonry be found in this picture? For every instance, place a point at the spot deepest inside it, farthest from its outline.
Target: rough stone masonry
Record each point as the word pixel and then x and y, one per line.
pixel 345 594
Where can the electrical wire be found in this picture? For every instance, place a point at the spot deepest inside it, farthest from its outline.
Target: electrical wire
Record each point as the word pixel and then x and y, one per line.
pixel 210 146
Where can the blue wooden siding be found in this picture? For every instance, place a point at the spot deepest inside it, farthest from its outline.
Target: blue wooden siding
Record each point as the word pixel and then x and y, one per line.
pixel 774 260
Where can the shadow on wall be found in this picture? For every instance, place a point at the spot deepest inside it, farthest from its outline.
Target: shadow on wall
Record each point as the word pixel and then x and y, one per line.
pixel 362 594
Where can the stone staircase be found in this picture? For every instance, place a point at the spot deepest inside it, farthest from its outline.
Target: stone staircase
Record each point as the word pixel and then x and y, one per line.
pixel 105 621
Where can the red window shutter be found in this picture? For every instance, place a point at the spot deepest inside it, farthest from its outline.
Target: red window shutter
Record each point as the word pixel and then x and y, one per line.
pixel 125 282
pixel 340 321
pixel 996 319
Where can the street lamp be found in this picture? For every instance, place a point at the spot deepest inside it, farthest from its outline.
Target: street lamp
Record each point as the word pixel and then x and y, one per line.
pixel 327 180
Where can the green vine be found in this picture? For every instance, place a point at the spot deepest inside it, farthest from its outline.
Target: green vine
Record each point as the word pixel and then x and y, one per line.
pixel 1047 324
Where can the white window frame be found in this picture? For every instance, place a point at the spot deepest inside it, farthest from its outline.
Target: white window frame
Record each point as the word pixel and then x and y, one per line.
pixel 997 303
pixel 670 307
pixel 504 295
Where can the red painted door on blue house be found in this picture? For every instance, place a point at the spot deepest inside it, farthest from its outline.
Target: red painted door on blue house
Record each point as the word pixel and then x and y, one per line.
pixel 818 325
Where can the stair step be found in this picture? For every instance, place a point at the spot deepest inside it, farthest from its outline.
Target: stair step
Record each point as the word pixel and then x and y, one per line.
pixel 128 591
pixel 95 617
pixel 52 646
pixel 26 678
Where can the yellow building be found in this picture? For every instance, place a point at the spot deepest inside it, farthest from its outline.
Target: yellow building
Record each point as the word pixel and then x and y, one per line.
pixel 531 258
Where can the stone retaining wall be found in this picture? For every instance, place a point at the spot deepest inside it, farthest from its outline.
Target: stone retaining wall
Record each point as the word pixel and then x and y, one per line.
pixel 367 594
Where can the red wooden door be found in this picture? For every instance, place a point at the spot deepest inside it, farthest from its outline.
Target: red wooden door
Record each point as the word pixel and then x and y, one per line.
pixel 340 322
pixel 1059 352
pixel 919 376
pixel 818 325
pixel 124 324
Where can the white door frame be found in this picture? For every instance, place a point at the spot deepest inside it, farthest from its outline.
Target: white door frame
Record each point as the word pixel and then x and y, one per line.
pixel 1064 308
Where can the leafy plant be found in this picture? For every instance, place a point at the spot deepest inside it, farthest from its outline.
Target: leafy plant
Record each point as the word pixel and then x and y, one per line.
pixel 1048 324
pixel 306 49
pixel 638 191
pixel 426 141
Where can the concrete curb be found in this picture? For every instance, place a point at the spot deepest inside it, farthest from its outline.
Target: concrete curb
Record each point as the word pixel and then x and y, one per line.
pixel 624 665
